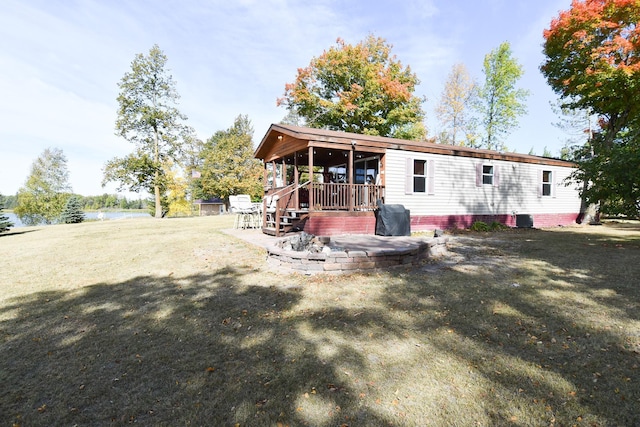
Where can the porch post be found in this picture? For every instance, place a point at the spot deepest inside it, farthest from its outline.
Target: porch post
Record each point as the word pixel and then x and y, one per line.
pixel 265 175
pixel 274 172
pixel 283 172
pixel 351 187
pixel 295 180
pixel 312 201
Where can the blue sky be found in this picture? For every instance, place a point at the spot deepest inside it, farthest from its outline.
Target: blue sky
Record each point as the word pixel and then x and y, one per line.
pixel 60 62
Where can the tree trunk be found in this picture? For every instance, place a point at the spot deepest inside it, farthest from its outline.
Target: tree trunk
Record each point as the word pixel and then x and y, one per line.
pixel 156 187
pixel 158 203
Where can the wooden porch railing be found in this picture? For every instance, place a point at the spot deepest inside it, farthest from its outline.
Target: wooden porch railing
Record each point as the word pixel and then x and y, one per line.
pixel 320 197
pixel 350 197
pixel 286 199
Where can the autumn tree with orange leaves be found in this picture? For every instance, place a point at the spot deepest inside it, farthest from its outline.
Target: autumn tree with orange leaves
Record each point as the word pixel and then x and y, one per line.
pixel 593 64
pixel 362 89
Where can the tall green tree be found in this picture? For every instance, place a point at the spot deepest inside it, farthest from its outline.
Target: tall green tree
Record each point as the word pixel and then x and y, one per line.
pixel 228 164
pixel 5 224
pixel 456 107
pixel 149 119
pixel 358 88
pixel 43 196
pixel 500 101
pixel 593 63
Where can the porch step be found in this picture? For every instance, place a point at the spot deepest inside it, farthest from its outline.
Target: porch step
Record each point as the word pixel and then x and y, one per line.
pixel 288 221
pixel 271 231
pixel 291 219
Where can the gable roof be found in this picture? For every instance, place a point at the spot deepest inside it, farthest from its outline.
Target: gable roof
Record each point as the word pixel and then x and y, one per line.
pixel 281 140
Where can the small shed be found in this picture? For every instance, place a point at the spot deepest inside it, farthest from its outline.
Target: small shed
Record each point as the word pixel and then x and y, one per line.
pixel 208 207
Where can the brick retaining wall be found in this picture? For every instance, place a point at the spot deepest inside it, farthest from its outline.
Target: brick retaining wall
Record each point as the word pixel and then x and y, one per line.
pixel 349 260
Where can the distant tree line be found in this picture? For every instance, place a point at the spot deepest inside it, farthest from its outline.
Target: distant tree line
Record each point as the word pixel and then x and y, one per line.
pixel 104 201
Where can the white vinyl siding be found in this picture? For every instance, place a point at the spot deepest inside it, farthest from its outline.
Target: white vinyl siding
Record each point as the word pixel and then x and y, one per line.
pixel 516 187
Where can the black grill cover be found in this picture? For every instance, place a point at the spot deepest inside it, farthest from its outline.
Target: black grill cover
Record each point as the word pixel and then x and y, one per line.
pixel 392 220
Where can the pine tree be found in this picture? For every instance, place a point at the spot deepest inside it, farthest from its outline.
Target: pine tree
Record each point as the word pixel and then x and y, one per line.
pixel 5 224
pixel 72 213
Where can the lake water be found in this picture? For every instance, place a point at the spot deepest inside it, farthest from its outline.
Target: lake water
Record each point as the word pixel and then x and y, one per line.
pixel 87 215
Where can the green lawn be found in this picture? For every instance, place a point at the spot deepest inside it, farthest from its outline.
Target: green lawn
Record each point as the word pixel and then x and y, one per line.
pixel 172 322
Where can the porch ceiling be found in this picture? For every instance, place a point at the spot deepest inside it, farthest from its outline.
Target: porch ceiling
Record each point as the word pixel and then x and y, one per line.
pixel 280 143
pixel 325 156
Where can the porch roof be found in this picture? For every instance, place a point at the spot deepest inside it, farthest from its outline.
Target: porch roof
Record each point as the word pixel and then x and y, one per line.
pixel 283 140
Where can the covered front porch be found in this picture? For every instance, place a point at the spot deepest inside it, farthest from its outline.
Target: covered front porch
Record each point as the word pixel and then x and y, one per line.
pixel 317 182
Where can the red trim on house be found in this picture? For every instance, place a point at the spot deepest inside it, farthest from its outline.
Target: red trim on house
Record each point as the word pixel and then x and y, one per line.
pixel 429 222
pixel 329 223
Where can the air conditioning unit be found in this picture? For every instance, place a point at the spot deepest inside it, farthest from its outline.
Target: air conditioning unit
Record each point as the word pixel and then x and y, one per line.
pixel 524 221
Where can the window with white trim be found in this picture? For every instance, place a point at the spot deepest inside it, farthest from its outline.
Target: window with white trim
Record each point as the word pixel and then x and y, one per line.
pixel 547 181
pixel 487 174
pixel 420 176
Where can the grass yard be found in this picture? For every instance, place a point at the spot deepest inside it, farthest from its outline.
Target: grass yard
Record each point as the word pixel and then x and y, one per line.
pixel 172 322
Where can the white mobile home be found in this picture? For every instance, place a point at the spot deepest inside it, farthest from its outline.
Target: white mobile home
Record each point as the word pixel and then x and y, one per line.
pixel 329 182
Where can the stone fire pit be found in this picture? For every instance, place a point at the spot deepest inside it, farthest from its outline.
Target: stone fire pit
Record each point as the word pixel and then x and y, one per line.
pixel 309 254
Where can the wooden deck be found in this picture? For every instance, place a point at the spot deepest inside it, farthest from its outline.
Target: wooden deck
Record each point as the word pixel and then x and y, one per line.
pixel 321 209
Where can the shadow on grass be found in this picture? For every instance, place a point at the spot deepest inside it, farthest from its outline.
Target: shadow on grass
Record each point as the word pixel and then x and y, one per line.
pixel 200 350
pixel 13 232
pixel 549 319
pixel 520 331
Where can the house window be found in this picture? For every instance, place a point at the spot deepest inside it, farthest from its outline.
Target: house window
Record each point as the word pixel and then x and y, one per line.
pixel 546 183
pixel 419 176
pixel 487 174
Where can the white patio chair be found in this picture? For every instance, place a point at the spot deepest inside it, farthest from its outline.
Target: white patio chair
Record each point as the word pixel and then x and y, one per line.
pixel 271 206
pixel 247 216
